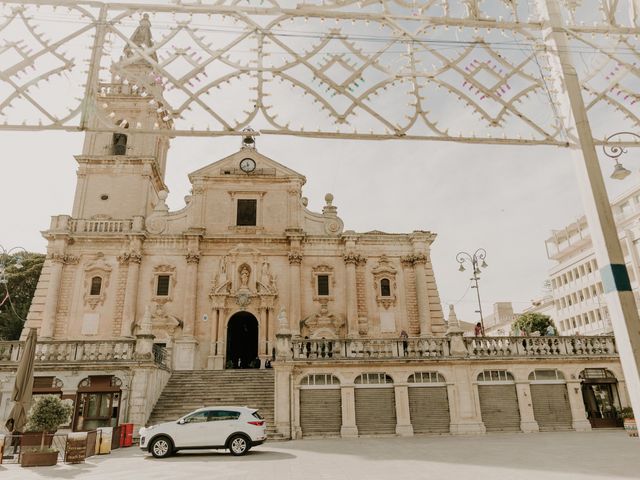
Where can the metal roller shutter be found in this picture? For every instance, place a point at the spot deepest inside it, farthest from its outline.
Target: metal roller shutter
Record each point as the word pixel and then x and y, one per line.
pixel 499 408
pixel 375 410
pixel 320 411
pixel 551 407
pixel 429 409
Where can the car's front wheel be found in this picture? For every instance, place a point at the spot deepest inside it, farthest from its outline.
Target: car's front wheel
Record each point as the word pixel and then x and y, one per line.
pixel 239 445
pixel 161 447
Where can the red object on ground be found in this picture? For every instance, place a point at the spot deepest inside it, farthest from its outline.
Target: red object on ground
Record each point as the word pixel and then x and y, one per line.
pixel 126 434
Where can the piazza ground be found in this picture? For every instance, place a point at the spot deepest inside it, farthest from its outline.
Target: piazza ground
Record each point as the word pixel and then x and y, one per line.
pixel 567 455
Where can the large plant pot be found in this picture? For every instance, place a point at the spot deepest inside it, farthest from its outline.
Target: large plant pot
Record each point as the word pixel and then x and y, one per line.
pixel 34 439
pixel 631 427
pixel 38 459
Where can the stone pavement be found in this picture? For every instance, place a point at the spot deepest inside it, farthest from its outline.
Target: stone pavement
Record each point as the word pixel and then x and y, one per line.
pixel 543 456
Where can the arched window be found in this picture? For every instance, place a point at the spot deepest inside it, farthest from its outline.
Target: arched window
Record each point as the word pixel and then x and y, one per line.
pixel 96 286
pixel 426 377
pixel 546 375
pixel 119 144
pixel 373 378
pixel 495 376
pixel 320 379
pixel 385 287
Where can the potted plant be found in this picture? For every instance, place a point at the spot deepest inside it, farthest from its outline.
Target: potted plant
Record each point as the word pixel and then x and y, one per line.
pixel 46 415
pixel 629 421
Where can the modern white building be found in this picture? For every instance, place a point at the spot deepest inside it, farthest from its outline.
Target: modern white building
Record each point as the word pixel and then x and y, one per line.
pixel 578 294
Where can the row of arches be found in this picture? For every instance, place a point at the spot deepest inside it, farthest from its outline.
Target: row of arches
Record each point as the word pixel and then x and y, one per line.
pixel 321 409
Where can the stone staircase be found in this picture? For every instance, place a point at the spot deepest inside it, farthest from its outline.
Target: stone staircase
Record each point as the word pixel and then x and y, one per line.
pixel 189 390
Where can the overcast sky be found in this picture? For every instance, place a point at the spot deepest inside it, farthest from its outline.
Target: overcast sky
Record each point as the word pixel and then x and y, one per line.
pixel 504 199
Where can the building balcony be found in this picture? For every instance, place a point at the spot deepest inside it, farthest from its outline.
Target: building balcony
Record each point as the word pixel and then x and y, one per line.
pixel 75 352
pixel 440 348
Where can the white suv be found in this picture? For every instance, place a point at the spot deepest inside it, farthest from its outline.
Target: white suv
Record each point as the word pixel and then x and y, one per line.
pixel 235 428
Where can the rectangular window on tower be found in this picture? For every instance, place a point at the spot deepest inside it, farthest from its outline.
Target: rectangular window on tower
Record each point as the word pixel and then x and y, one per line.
pixel 323 285
pixel 247 212
pixel 162 289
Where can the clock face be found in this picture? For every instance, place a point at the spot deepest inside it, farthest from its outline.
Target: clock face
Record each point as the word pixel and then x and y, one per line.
pixel 247 165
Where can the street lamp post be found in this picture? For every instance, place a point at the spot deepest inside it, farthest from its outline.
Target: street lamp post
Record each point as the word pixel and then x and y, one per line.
pixel 615 152
pixel 474 259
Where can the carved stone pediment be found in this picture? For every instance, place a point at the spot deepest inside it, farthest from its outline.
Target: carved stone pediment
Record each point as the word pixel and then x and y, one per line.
pixel 384 282
pixel 323 324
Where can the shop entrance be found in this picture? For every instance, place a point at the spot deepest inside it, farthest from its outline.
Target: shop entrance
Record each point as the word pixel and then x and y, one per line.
pixel 242 341
pixel 601 399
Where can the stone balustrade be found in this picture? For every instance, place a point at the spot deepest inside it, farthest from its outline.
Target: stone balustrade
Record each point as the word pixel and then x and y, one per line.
pixel 56 351
pixel 100 226
pixel 476 347
pixel 540 346
pixel 370 348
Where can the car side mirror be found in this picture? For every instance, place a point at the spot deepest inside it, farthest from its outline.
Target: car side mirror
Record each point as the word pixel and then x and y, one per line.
pixel 182 421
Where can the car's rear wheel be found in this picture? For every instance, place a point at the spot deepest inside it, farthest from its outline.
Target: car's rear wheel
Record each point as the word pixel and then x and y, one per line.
pixel 161 447
pixel 239 445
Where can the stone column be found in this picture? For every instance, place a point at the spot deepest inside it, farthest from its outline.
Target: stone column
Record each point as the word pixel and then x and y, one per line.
pixel 131 293
pixel 216 353
pixel 424 315
pixel 528 423
pixel 185 347
pixel 191 294
pixel 464 404
pixel 283 398
pixel 349 428
pixel 403 417
pixel 578 413
pixel 53 294
pixel 350 260
pixel 262 335
pixel 295 258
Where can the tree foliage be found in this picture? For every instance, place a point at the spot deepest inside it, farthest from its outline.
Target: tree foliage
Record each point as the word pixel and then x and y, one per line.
pixel 532 322
pixel 21 285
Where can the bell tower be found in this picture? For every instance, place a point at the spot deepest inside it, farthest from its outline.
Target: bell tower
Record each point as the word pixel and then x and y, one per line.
pixel 123 160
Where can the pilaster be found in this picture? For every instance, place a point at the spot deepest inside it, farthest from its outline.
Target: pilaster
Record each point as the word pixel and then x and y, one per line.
pixel 403 417
pixel 349 428
pixel 580 422
pixel 528 423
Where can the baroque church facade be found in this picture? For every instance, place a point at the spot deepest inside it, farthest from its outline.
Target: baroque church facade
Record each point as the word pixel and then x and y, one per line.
pixel 134 296
pixel 215 275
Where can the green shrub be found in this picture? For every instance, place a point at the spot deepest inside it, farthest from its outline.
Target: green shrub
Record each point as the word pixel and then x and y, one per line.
pixel 626 412
pixel 47 413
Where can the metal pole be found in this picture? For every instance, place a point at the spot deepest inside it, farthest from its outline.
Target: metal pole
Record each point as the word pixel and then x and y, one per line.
pixel 475 279
pixel 604 235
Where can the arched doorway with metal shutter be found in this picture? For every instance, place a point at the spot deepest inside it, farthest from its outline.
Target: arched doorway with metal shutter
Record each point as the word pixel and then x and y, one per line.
pixel 375 404
pixel 550 400
pixel 320 405
pixel 498 401
pixel 428 403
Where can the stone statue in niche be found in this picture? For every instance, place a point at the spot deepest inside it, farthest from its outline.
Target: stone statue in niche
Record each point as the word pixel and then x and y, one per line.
pixel 222 271
pixel 244 277
pixel 267 279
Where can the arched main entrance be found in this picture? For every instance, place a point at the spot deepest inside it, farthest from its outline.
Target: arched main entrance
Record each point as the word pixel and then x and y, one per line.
pixel 242 340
